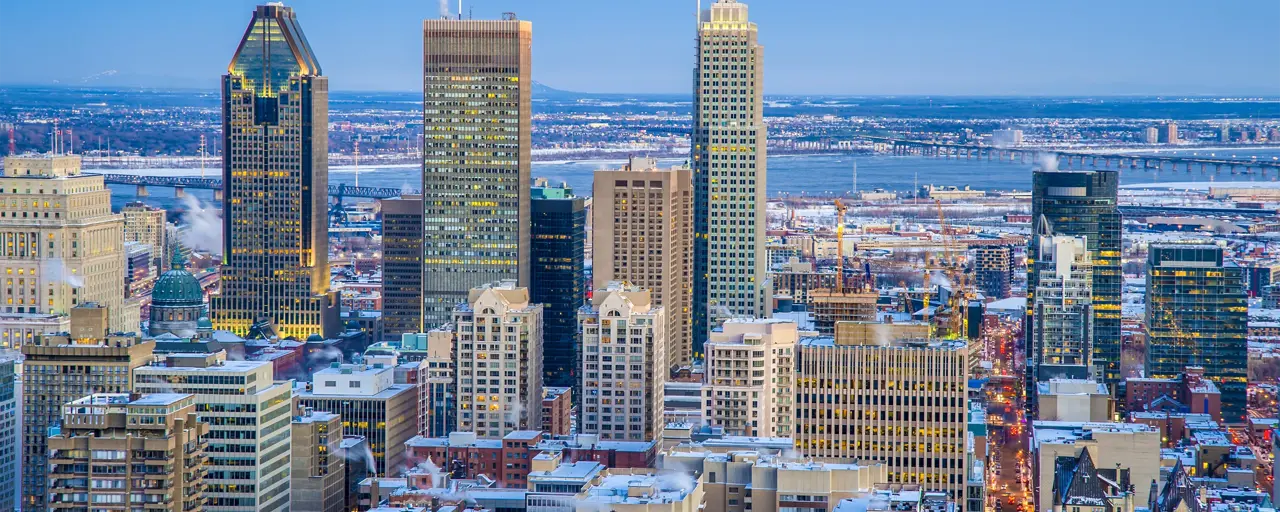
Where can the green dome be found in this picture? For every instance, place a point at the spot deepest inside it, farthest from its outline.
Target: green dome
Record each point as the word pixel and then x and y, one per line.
pixel 315 337
pixel 177 287
pixel 204 323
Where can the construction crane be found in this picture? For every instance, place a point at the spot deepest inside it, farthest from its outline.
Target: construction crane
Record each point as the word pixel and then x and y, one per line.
pixel 952 267
pixel 840 210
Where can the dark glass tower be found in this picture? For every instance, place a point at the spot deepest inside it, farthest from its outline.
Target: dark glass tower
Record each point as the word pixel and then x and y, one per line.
pixel 275 176
pixel 558 239
pixel 1084 204
pixel 401 266
pixel 1197 315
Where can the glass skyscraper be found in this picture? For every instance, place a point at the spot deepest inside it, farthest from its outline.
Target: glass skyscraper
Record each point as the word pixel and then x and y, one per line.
pixel 275 176
pixel 1197 315
pixel 476 90
pixel 559 236
pixel 1083 204
pixel 728 154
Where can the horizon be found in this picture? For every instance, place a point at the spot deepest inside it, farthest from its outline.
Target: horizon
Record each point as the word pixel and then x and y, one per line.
pixel 943 49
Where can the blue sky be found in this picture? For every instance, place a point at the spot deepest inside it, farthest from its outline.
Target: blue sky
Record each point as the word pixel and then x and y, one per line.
pixel 981 47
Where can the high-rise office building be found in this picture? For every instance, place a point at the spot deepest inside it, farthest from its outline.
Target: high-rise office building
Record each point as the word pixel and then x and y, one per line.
pixel 401 266
pixel 318 478
pixel 476 95
pixel 1197 315
pixel 728 156
pixel 993 271
pixel 61 247
pixel 903 403
pixel 275 178
pixel 643 235
pixel 147 225
pixel 558 233
pixel 1062 330
pixel 750 377
pixel 624 367
pixel 144 453
pixel 499 363
pixel 1168 133
pixel 9 436
pixel 248 414
pixel 371 405
pixel 1084 204
pixel 66 366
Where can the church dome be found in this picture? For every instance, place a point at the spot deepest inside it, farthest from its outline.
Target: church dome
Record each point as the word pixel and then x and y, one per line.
pixel 177 287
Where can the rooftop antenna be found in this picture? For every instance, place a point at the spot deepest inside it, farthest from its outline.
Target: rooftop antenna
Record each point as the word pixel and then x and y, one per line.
pixel 459 10
pixel 855 179
pixel 53 143
pixel 357 153
pixel 71 134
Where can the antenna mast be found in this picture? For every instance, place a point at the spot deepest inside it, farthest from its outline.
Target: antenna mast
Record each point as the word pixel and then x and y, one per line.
pixel 202 141
pixel 357 154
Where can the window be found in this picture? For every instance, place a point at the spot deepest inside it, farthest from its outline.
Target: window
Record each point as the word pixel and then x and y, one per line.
pixel 330 383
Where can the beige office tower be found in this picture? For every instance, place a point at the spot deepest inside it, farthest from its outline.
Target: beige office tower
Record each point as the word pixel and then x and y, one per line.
pixel 750 377
pixel 146 453
pixel 499 337
pixel 903 403
pixel 318 477
pixel 66 366
pixel 249 435
pixel 476 95
pixel 624 364
pixel 147 225
pixel 728 170
pixel 643 235
pixel 60 246
pixel 275 177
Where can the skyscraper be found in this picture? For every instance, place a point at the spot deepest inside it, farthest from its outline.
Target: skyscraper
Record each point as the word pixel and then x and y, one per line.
pixel 728 153
pixel 559 235
pixel 9 437
pixel 66 366
pixel 476 94
pixel 318 475
pixel 499 362
pixel 623 400
pixel 900 402
pixel 1084 204
pixel 249 434
pixel 146 453
pixel 1197 315
pixel 401 266
pixel 60 246
pixel 994 270
pixel 1062 332
pixel 750 377
pixel 275 177
pixel 643 225
pixel 146 224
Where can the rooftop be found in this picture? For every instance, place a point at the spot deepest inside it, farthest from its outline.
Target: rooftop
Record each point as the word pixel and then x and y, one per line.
pixel 640 489
pixel 159 399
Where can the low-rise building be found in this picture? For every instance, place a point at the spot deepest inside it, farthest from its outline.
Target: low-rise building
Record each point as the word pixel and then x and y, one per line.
pixel 317 477
pixel 1120 452
pixel 1074 400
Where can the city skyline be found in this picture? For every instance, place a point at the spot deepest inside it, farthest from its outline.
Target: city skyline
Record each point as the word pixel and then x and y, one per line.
pixel 988 51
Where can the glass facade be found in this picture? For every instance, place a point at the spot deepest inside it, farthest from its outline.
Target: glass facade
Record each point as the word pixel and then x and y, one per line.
pixel 475 168
pixel 275 116
pixel 1197 315
pixel 558 238
pixel 401 267
pixel 1084 204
